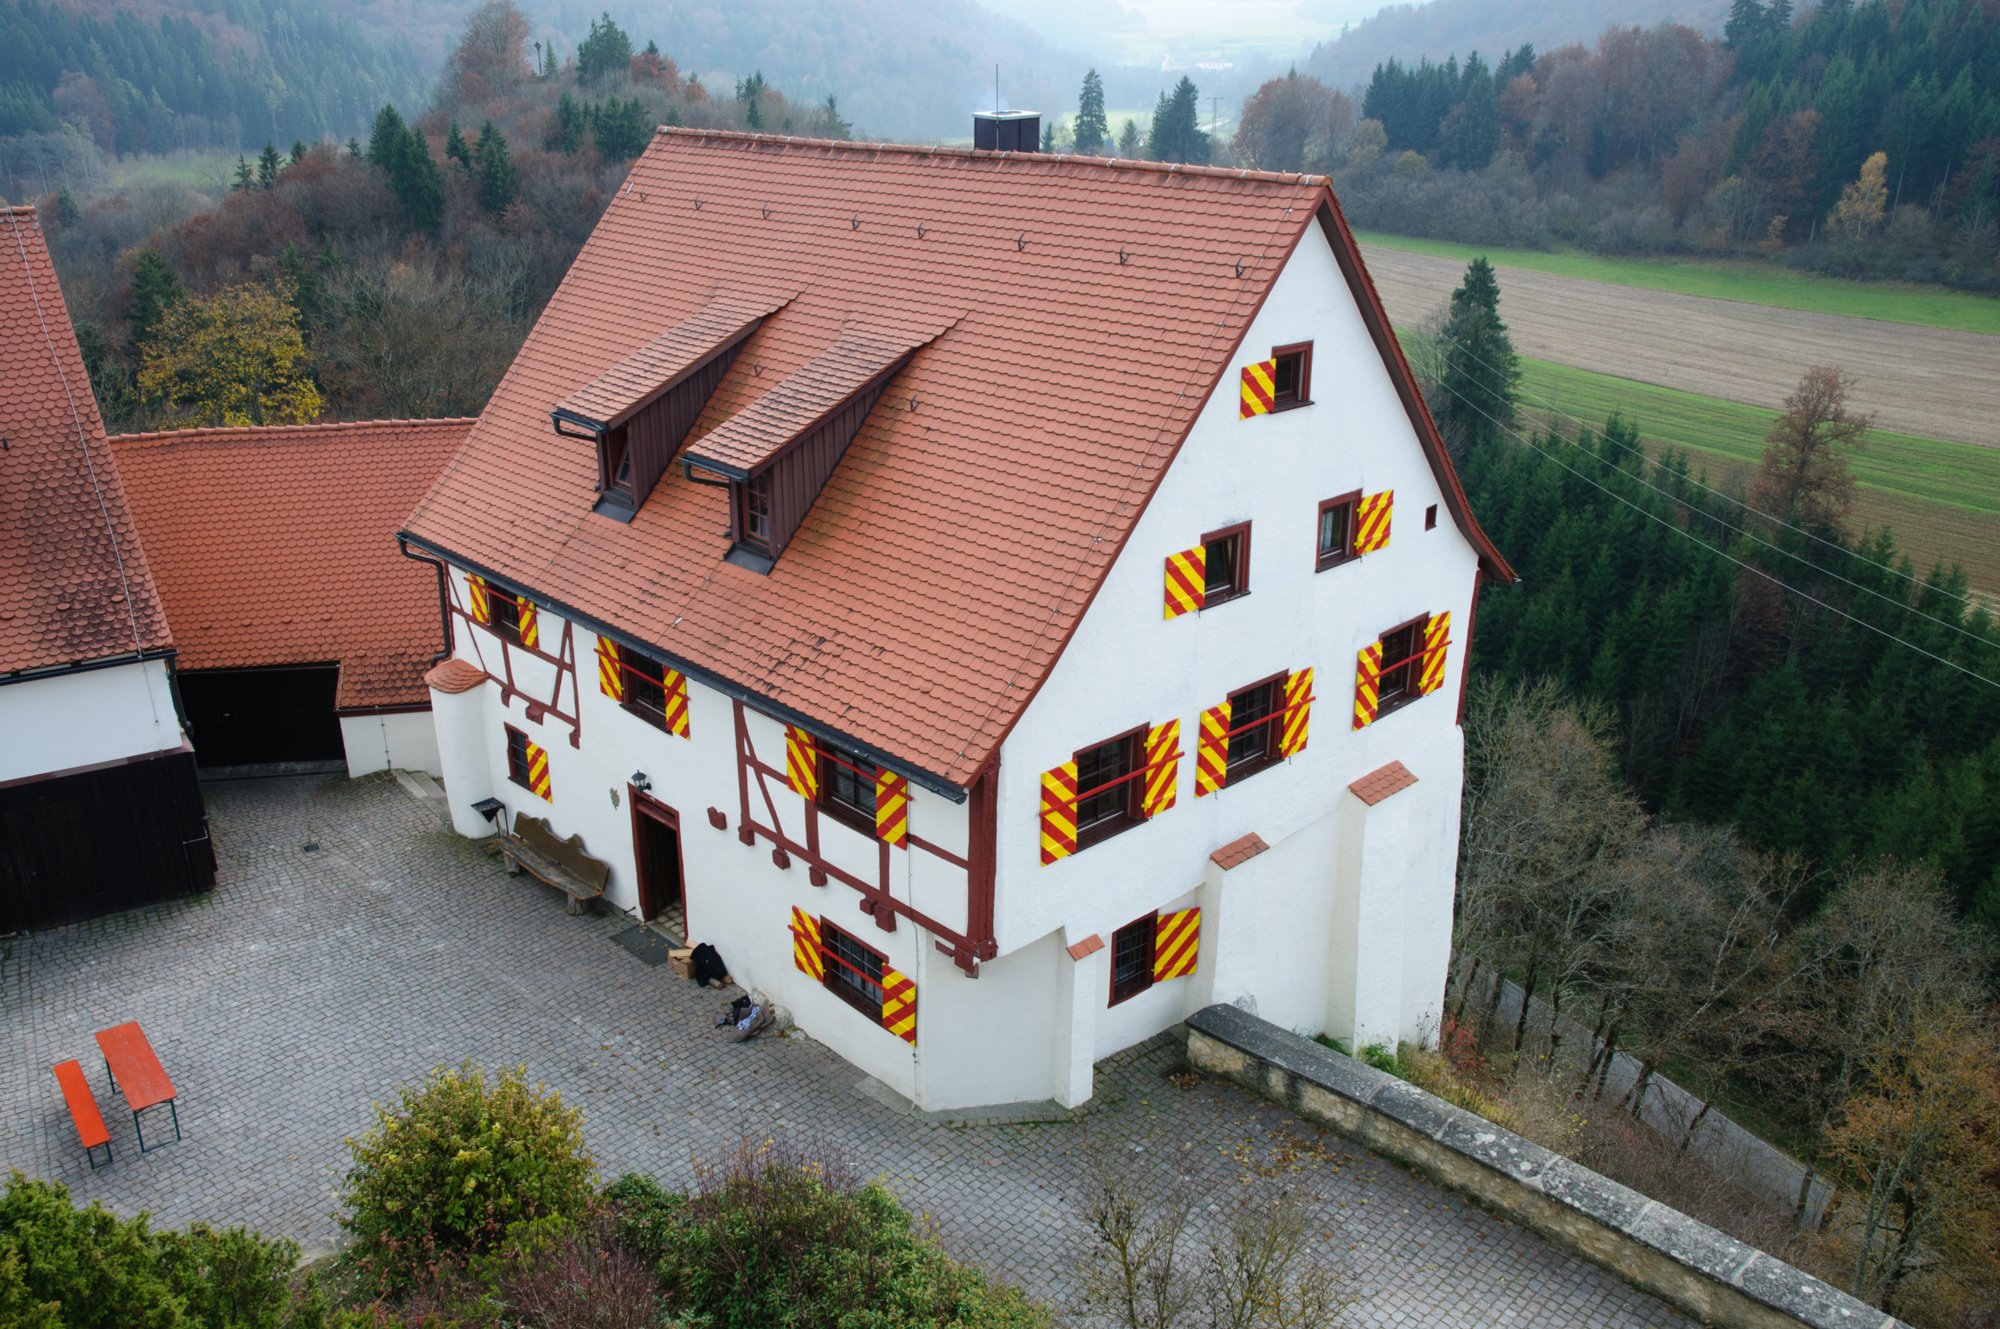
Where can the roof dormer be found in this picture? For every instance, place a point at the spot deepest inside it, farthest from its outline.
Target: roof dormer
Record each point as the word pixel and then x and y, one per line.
pixel 640 410
pixel 776 454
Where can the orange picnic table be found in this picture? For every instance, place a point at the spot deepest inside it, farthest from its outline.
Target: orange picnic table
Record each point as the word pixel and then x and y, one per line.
pixel 136 1073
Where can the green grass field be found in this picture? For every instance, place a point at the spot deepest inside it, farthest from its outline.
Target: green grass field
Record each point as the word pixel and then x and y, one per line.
pixel 1941 499
pixel 1744 282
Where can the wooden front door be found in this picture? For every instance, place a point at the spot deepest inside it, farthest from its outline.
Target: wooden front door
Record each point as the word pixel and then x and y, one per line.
pixel 656 844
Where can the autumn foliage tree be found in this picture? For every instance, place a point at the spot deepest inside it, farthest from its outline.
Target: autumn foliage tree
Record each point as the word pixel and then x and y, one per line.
pixel 1804 480
pixel 233 358
pixel 1295 123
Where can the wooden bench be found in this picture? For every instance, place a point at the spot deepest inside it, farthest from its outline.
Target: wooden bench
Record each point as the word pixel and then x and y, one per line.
pixel 82 1105
pixel 532 847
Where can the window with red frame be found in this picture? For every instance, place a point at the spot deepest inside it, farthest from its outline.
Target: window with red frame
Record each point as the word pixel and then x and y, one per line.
pixel 1402 648
pixel 1132 957
pixel 847 786
pixel 517 757
pixel 1253 727
pixel 503 613
pixel 645 688
pixel 1108 779
pixel 1228 564
pixel 853 971
pixel 1336 530
pixel 1291 375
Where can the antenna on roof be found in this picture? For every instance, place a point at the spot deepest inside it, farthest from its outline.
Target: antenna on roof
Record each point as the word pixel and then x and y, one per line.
pixel 996 87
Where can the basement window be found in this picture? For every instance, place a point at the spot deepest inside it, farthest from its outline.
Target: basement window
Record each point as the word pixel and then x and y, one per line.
pixel 853 971
pixel 1228 564
pixel 1132 957
pixel 1291 376
pixel 1336 531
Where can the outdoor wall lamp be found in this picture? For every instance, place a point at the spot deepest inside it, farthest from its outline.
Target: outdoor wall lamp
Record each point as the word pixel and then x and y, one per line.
pixel 642 781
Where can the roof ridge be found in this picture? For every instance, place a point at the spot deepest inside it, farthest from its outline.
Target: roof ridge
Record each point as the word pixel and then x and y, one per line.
pixel 1304 178
pixel 257 431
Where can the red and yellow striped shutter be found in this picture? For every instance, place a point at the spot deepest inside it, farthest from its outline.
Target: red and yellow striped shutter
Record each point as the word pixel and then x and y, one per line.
pixel 1163 768
pixel 1211 756
pixel 1187 580
pixel 531 634
pixel 806 955
pixel 899 1005
pixel 1259 388
pixel 475 595
pixel 892 808
pixel 610 670
pixel 1437 636
pixel 538 770
pixel 1059 812
pixel 1292 731
pixel 1371 522
pixel 1176 943
pixel 801 762
pixel 1367 678
pixel 677 701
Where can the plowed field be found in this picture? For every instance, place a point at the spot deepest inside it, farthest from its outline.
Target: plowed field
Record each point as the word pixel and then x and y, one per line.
pixel 1930 382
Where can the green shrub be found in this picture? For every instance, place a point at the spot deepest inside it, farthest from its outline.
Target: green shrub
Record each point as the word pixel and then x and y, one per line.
pixel 457 1169
pixel 1382 1059
pixel 774 1237
pixel 62 1267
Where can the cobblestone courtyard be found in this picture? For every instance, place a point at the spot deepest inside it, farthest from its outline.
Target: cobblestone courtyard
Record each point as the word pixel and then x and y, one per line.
pixel 314 983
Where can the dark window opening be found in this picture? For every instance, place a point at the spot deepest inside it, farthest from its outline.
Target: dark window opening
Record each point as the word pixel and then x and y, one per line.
pixel 753 512
pixel 847 786
pixel 1107 788
pixel 1336 530
pixel 1132 957
pixel 1227 564
pixel 1253 721
pixel 645 688
pixel 853 972
pixel 1291 376
pixel 503 613
pixel 517 757
pixel 1400 647
pixel 1431 517
pixel 615 461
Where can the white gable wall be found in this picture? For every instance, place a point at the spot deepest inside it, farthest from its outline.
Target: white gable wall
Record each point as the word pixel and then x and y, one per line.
pixel 98 715
pixel 1128 666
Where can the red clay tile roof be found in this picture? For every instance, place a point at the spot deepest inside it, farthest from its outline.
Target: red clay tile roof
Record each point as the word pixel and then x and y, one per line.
pixel 277 545
pixel 454 676
pixel 1086 948
pixel 1381 782
pixel 815 390
pixel 941 570
pixel 74 582
pixel 1239 851
pixel 616 395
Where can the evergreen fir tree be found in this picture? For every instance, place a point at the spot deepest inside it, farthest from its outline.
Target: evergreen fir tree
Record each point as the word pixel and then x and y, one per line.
pixel 549 60
pixel 1481 372
pixel 620 129
pixel 354 148
pixel 385 138
pixel 1746 22
pixel 494 169
pixel 67 213
pixel 245 176
pixel 1177 134
pixel 1091 129
pixel 454 146
pixel 569 127
pixel 298 151
pixel 268 165
pixel 1128 139
pixel 1049 136
pixel 607 50
pixel 155 289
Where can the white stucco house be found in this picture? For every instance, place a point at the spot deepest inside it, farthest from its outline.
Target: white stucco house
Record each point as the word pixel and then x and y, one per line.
pixel 99 808
pixel 1003 602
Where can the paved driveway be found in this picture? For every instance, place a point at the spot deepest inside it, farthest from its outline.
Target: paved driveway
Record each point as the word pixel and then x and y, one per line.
pixel 315 981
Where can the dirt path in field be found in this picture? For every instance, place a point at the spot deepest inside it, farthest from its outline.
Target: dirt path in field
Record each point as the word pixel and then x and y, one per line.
pixel 1925 381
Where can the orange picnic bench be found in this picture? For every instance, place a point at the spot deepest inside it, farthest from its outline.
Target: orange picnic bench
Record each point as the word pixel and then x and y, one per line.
pixel 82 1105
pixel 136 1073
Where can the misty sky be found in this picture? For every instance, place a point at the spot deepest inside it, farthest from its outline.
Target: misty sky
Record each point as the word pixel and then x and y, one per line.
pixel 1275 29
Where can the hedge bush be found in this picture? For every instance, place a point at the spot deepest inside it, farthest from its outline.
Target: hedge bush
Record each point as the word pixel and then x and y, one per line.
pixel 62 1267
pixel 459 1168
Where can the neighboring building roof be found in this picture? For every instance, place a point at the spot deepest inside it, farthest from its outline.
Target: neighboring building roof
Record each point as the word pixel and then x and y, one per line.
pixel 945 564
pixel 276 545
pixel 74 584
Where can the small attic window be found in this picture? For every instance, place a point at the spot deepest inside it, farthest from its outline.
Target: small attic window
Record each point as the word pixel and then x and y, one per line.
pixel 753 512
pixel 1291 377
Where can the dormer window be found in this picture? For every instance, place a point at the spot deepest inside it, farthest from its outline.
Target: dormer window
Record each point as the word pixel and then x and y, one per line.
pixel 639 411
pixel 777 453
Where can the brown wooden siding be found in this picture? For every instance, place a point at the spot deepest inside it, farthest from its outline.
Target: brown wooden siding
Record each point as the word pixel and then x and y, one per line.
pixel 803 469
pixel 656 433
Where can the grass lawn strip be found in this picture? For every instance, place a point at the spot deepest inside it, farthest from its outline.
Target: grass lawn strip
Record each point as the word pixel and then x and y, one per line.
pixel 1744 282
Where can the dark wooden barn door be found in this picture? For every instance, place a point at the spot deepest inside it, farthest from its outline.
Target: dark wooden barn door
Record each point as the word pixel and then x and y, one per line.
pixel 258 717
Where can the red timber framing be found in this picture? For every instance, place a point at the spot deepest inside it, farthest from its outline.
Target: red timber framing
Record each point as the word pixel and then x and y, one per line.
pixel 564 661
pixel 966 949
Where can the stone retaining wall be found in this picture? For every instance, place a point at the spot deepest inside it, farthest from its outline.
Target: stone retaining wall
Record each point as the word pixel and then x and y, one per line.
pixel 1713 1277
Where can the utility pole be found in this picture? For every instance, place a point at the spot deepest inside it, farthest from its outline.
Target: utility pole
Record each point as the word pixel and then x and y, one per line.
pixel 1214 109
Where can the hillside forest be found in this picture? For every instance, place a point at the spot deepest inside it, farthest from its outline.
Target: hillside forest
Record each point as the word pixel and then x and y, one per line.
pixel 1765 139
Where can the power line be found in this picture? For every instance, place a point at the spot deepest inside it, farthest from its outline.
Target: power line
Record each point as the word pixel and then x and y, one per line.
pixel 1747 567
pixel 1551 408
